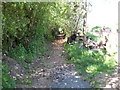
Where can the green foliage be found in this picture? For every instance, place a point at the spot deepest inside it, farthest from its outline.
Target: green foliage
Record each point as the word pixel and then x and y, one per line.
pixel 107 28
pixel 18 53
pixel 26 23
pixel 90 62
pixel 26 27
pixel 93 37
pixel 7 80
pixel 96 28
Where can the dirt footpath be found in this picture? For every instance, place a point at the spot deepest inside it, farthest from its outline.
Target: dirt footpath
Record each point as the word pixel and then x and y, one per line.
pixel 52 72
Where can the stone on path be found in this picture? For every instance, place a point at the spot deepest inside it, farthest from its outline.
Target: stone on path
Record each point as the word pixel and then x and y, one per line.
pixel 66 77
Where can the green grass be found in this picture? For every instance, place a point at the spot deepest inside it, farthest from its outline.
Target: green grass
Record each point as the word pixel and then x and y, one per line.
pixel 90 63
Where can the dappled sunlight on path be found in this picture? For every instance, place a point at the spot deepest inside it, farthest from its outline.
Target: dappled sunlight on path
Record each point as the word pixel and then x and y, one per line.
pixel 51 70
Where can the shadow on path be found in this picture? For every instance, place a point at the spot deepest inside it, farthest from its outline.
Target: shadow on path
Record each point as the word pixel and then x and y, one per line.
pixel 52 72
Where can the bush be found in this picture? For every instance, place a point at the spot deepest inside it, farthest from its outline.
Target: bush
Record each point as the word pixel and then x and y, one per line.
pixel 91 62
pixel 27 26
pixel 18 53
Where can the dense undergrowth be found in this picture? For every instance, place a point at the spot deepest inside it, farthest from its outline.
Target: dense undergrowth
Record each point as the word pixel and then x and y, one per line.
pixel 27 26
pixel 26 29
pixel 23 34
pixel 90 63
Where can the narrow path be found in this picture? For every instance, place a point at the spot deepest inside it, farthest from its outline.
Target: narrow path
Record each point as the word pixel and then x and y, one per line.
pixel 63 75
pixel 52 72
